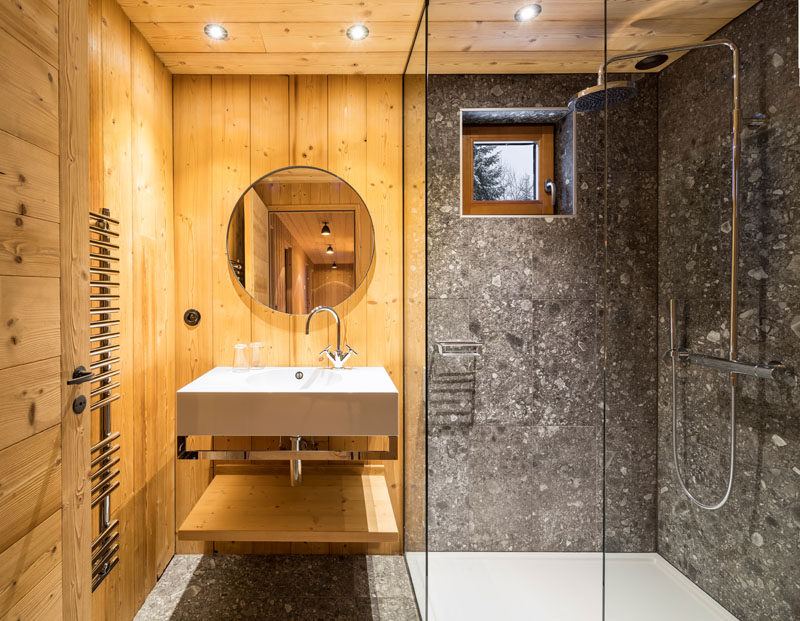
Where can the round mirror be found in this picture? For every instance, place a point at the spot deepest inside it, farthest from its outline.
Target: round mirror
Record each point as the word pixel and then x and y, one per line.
pixel 298 238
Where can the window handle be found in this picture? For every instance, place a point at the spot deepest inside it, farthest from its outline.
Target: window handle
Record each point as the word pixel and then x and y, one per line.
pixel 550 188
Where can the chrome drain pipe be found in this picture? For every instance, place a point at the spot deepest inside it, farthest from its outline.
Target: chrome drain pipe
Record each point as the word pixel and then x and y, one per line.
pixel 296 465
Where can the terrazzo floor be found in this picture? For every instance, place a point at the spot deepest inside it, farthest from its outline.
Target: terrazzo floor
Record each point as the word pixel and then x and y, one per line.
pixel 221 587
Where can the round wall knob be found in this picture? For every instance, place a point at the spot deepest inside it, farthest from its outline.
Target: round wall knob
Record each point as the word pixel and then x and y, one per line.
pixel 79 404
pixel 191 317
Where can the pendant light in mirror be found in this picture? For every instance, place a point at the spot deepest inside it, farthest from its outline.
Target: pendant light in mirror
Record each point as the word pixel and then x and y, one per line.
pixel 329 250
pixel 326 230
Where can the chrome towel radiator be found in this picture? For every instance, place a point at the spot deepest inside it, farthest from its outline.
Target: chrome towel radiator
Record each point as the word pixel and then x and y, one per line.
pixel 104 337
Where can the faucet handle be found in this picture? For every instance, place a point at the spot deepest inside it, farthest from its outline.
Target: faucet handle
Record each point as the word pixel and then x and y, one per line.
pixel 326 350
pixel 343 357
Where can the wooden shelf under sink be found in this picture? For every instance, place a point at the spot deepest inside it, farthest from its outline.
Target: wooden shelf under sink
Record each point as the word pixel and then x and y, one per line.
pixel 343 504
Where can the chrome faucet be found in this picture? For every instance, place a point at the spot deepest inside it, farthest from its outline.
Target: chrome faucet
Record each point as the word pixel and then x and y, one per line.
pixel 337 357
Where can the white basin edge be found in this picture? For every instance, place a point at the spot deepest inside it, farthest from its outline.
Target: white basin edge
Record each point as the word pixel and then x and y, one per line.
pixel 222 402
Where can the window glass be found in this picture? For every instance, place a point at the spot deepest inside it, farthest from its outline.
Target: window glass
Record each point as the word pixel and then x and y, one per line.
pixel 504 171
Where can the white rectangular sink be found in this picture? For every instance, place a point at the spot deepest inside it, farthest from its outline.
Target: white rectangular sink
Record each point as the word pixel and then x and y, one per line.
pixel 289 401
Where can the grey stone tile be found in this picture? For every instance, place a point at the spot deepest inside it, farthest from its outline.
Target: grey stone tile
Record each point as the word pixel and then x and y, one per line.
pixel 566 377
pixel 397 609
pixel 565 481
pixel 386 577
pixel 503 374
pixel 631 486
pixel 565 256
pixel 281 587
pixel 531 289
pixel 742 554
pixel 496 273
pixel 632 132
pixel 499 489
pixel 631 376
pixel 632 211
pixel 448 488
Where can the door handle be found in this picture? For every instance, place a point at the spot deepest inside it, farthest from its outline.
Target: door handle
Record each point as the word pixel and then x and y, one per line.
pixel 80 375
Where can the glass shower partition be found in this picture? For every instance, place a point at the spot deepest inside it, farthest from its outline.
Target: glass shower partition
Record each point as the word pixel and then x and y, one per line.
pixel 702 274
pixel 415 535
pixel 514 328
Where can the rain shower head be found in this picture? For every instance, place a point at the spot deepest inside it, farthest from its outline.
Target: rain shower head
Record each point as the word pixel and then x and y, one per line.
pixel 594 98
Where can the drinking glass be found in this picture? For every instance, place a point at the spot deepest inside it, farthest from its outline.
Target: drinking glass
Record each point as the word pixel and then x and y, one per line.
pixel 256 355
pixel 240 361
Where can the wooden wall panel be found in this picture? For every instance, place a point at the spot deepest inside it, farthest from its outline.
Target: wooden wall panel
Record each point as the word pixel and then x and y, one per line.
pixel 31 207
pixel 347 149
pixel 29 97
pixel 34 23
pixel 43 601
pixel 192 195
pixel 29 179
pixel 269 139
pixel 27 562
pixel 30 477
pixel 30 400
pixel 152 299
pixel 163 269
pixel 308 146
pixel 110 123
pixel 142 296
pixel 28 246
pixel 269 150
pixel 29 312
pixel 414 294
pixel 131 164
pixel 230 176
pixel 385 294
pixel 350 125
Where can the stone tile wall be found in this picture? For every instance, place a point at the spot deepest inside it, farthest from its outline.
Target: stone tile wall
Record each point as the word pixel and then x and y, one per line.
pixel 747 554
pixel 515 435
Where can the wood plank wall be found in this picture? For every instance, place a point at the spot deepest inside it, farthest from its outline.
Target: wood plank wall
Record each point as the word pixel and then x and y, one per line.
pixel 30 374
pixel 131 175
pixel 231 130
pixel 414 298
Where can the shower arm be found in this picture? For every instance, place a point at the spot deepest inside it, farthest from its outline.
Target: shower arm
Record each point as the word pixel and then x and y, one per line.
pixel 735 149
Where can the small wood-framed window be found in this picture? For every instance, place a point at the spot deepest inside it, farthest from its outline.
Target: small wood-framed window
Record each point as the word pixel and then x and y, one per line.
pixel 505 170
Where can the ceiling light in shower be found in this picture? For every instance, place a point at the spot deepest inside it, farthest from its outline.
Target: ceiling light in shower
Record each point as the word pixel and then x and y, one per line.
pixel 326 230
pixel 216 32
pixel 329 250
pixel 528 12
pixel 357 32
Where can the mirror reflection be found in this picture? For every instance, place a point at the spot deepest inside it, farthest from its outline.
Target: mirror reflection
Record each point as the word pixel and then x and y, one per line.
pixel 298 238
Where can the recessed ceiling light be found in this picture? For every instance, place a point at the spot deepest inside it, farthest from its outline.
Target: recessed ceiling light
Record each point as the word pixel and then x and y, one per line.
pixel 357 32
pixel 329 250
pixel 216 32
pixel 528 12
pixel 326 230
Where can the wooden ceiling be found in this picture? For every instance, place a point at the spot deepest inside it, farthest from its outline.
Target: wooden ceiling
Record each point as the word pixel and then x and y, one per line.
pixel 305 228
pixel 465 36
